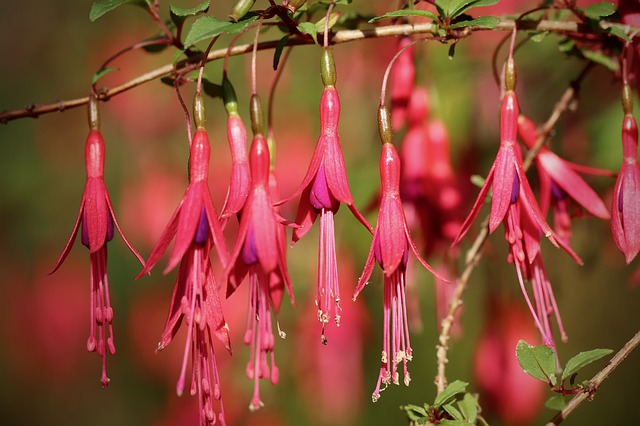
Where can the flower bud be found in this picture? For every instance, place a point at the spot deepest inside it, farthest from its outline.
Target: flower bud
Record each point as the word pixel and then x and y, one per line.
pixel 294 5
pixel 198 111
pixel 327 68
pixel 241 8
pixel 384 124
pixel 257 116
pixel 229 97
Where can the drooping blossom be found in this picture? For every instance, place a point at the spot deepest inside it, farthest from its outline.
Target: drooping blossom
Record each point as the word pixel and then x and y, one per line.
pixel 390 249
pixel 240 183
pixel 323 189
pixel 514 205
pixel 96 221
pixel 625 205
pixel 259 251
pixel 195 299
pixel 559 183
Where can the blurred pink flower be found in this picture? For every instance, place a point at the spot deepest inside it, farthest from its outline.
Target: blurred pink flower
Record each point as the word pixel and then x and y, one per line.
pixel 401 81
pixel 96 220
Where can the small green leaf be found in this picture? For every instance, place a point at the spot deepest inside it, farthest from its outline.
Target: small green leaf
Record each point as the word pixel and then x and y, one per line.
pixel 406 12
pixel 205 28
pixel 469 407
pixel 179 15
pixel 237 27
pixel 615 31
pixel 454 423
pixel 453 411
pixel 482 22
pixel 99 8
pixel 332 21
pixel 598 10
pixel 537 361
pixel 415 412
pixel 211 89
pixel 582 359
pixel 538 36
pixel 453 8
pixel 309 28
pixel 278 51
pixel 453 389
pixel 97 76
pixel 452 50
pixel 601 59
pixel 556 403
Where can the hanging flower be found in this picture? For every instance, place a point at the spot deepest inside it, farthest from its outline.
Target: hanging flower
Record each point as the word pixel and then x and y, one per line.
pixel 323 189
pixel 96 221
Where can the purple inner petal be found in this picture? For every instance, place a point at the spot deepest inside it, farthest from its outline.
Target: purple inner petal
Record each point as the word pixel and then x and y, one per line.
pixel 321 197
pixel 515 189
pixel 620 201
pixel 249 253
pixel 109 228
pixel 557 192
pixel 84 233
pixel 202 233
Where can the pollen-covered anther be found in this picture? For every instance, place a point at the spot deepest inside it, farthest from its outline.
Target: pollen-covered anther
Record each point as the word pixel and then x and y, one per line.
pixel 337 318
pixel 384 358
pixel 407 378
pixel 399 356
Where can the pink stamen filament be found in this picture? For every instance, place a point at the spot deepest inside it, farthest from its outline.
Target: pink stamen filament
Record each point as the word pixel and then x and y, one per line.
pixel 328 289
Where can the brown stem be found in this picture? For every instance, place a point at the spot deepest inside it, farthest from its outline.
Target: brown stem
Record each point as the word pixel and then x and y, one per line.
pixel 339 37
pixel 474 254
pixel 589 391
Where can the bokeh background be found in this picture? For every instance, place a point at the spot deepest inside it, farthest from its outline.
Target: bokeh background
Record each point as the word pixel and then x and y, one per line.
pixel 50 51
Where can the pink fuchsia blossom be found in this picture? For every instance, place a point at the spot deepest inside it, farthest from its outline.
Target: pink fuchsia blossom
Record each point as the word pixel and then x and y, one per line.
pixel 259 251
pixel 96 221
pixel 560 183
pixel 625 206
pixel 322 190
pixel 390 249
pixel 195 299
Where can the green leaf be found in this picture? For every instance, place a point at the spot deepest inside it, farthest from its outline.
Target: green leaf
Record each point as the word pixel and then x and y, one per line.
pixel 309 28
pixel 179 15
pixel 99 8
pixel 406 12
pixel 453 8
pixel 453 411
pixel 453 389
pixel 598 10
pixel 237 27
pixel 332 21
pixel 555 403
pixel 469 407
pixel 415 412
pixel 211 89
pixel 537 361
pixel 481 21
pixel 97 76
pixel 455 423
pixel 538 36
pixel 615 31
pixel 601 59
pixel 205 28
pixel 582 359
pixel 278 52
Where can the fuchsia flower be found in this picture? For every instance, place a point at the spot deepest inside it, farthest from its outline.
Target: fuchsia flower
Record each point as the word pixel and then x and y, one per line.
pixel 559 182
pixel 390 248
pixel 514 204
pixel 625 206
pixel 259 251
pixel 96 220
pixel 323 188
pixel 196 229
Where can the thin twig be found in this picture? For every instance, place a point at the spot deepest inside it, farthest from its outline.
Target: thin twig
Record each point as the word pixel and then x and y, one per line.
pixel 474 254
pixel 339 37
pixel 589 391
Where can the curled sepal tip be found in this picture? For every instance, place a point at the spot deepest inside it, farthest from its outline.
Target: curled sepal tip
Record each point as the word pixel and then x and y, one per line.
pixel 94 116
pixel 229 97
pixel 327 68
pixel 241 8
pixel 510 74
pixel 257 116
pixel 198 111
pixel 627 99
pixel 384 124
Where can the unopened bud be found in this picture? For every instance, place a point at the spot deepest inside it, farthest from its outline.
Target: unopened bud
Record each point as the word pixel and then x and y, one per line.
pixel 384 124
pixel 627 99
pixel 510 74
pixel 229 97
pixel 198 111
pixel 241 8
pixel 257 117
pixel 327 68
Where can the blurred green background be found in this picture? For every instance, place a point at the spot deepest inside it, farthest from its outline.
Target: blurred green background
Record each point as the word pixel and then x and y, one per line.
pixel 50 51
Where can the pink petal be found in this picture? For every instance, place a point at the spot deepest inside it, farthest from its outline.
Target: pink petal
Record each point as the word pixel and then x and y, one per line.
pixel 503 179
pixel 187 222
pixel 630 193
pixel 164 241
pixel 213 311
pixel 305 217
pixel 368 268
pixel 72 238
pixel 316 159
pixel 113 216
pixel 335 170
pixel 573 184
pixel 96 213
pixel 264 227
pixel 477 206
pixel 215 229
pixel 393 243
